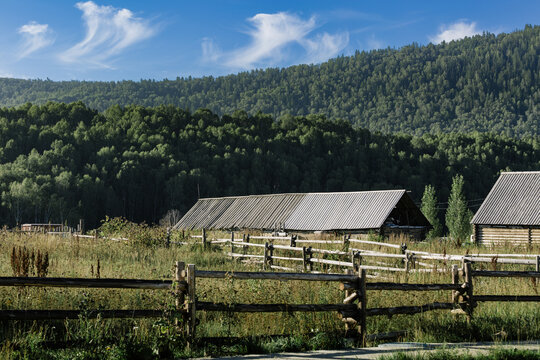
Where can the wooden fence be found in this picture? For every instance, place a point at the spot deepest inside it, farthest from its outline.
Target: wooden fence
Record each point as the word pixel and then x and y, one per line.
pixel 353 310
pixel 270 255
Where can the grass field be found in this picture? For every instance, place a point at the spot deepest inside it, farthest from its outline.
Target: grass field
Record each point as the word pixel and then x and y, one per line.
pixel 146 258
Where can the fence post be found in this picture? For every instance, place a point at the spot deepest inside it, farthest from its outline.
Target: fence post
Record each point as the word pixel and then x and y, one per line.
pixel 168 237
pixel 407 261
pixel 204 238
pixel 191 305
pixel 293 241
pixel 356 261
pixel 537 263
pixel 304 262
pixel 363 307
pixel 403 248
pixel 349 300
pixel 346 240
pixel 309 255
pixel 232 244
pixel 180 296
pixel 270 255
pixel 265 257
pixel 244 248
pixel 467 269
pixel 455 280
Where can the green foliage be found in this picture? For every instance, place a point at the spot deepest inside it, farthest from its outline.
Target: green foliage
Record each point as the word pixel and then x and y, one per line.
pixel 458 216
pixel 497 354
pixel 486 83
pixel 63 162
pixel 430 211
pixel 138 234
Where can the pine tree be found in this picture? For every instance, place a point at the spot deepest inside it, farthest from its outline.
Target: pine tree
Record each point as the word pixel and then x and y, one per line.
pixel 429 209
pixel 458 216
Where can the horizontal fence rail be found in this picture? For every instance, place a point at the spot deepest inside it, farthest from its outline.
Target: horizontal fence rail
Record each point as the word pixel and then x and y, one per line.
pixel 353 309
pixel 76 314
pixel 350 257
pixel 88 283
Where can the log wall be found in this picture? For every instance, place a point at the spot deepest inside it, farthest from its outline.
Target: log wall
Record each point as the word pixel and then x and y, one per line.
pixel 492 236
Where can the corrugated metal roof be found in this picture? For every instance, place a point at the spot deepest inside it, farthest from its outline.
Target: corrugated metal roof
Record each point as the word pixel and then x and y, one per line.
pixel 303 212
pixel 513 200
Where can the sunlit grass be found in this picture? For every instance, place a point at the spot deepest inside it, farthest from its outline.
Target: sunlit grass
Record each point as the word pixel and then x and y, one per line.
pixel 70 257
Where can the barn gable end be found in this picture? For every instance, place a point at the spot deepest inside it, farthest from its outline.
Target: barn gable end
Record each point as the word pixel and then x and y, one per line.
pixel 511 211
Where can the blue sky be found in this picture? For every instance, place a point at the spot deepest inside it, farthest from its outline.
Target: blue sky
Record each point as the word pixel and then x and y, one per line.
pixel 133 40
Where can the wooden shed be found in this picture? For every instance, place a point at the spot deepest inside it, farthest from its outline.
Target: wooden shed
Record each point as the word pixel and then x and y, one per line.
pixel 42 228
pixel 380 212
pixel 511 211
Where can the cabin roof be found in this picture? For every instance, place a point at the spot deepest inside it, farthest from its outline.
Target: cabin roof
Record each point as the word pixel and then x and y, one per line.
pixel 299 211
pixel 513 200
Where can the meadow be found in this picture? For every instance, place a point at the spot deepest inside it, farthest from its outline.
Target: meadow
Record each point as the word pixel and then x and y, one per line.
pixel 145 256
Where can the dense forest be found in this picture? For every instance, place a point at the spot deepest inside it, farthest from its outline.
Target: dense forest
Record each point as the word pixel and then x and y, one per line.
pixel 486 83
pixel 60 162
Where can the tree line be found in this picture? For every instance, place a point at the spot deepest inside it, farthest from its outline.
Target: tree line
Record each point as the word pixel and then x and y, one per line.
pixel 487 83
pixel 61 162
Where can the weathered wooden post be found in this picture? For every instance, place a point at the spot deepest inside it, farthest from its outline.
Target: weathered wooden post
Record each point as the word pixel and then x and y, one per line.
pixel 346 240
pixel 537 263
pixel 204 238
pixel 192 301
pixel 179 276
pixel 403 248
pixel 304 260
pixel 349 298
pixel 168 237
pixel 362 303
pixel 270 255
pixel 356 260
pixel 407 261
pixel 467 269
pixel 293 241
pixel 455 281
pixel 232 244
pixel 265 256
pixel 308 259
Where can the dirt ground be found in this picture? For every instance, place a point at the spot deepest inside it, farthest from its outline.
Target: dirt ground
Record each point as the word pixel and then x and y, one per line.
pixel 390 348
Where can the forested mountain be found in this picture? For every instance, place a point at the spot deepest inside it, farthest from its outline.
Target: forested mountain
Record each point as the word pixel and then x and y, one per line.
pixel 60 161
pixel 486 83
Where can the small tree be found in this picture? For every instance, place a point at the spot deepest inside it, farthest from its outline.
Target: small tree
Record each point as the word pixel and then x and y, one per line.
pixel 458 216
pixel 171 218
pixel 429 209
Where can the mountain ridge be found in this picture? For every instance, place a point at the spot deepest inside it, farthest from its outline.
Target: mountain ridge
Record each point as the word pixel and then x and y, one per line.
pixel 487 83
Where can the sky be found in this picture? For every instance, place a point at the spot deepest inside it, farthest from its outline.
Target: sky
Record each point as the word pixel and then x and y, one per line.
pixel 113 40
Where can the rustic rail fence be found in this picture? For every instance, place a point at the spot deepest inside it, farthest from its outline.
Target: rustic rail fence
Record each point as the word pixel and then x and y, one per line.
pixel 353 310
pixel 352 258
pixel 303 258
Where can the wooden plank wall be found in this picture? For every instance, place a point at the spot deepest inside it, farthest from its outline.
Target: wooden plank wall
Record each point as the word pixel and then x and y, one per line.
pixel 490 236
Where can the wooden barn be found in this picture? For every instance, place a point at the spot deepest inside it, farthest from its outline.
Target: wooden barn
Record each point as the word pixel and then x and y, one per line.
pixel 381 212
pixel 511 211
pixel 42 227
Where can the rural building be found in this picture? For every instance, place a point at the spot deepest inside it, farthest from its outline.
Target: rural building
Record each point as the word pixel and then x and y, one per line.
pixel 511 211
pixel 381 212
pixel 42 227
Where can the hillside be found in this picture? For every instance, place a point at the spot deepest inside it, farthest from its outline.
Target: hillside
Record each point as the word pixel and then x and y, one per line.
pixel 61 162
pixel 486 83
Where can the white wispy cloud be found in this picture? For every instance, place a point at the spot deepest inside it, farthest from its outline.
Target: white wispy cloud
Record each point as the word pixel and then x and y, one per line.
pixel 455 31
pixel 108 32
pixel 324 46
pixel 36 36
pixel 270 35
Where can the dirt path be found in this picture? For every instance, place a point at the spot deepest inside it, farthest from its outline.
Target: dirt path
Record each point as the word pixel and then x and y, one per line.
pixel 390 348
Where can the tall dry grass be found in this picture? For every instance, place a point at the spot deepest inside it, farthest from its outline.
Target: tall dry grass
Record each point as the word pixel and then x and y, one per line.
pixel 72 257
